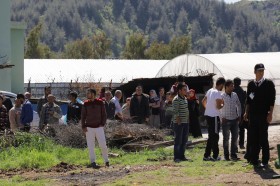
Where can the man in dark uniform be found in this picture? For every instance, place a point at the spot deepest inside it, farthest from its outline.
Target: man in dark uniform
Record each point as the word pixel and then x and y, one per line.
pixel 259 109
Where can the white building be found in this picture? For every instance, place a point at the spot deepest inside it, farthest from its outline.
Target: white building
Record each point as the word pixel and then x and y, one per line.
pixel 11 51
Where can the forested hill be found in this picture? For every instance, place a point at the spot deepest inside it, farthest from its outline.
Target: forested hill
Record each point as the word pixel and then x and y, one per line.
pixel 214 27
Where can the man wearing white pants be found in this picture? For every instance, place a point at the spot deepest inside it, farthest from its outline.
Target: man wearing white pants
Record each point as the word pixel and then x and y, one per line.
pixel 93 121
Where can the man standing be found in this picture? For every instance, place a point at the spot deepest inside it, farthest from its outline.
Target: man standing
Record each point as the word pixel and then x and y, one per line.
pixel 93 122
pixel 109 106
pixel 139 106
pixel 242 98
pixel 3 115
pixel 8 105
pixel 259 109
pixel 44 99
pixel 26 116
pixel 181 123
pixel 116 100
pixel 50 113
pixel 14 116
pixel 74 109
pixel 231 116
pixel 212 103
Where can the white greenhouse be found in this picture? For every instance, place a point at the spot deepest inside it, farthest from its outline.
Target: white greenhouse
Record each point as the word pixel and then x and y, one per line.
pixel 229 66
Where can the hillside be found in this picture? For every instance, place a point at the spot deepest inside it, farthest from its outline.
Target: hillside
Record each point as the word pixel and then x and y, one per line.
pixel 215 27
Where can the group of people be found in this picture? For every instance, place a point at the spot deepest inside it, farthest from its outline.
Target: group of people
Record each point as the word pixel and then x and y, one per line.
pixel 17 116
pixel 231 110
pixel 177 109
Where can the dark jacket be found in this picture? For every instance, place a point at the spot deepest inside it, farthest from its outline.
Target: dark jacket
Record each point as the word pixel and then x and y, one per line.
pixel 74 111
pixel 93 114
pixel 139 110
pixel 8 104
pixel 241 96
pixel 3 118
pixel 40 103
pixel 26 116
pixel 110 109
pixel 260 98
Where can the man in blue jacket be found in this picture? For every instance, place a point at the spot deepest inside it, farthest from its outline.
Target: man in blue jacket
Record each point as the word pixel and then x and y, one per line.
pixel 27 111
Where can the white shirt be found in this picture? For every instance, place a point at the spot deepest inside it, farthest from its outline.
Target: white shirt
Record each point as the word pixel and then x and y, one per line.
pixel 258 83
pixel 116 101
pixel 211 105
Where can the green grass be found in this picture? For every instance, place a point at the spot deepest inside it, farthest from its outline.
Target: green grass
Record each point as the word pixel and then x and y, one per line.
pixel 20 181
pixel 35 151
pixel 185 172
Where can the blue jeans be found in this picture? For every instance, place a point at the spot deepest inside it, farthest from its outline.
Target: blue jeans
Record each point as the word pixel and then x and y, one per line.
pixel 181 137
pixel 230 127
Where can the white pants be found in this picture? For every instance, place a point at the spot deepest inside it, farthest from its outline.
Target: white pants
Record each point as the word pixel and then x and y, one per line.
pixel 100 136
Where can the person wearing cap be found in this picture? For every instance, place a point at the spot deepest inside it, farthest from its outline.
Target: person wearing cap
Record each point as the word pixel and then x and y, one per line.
pixel 50 113
pixel 74 109
pixel 3 115
pixel 261 95
pixel 26 116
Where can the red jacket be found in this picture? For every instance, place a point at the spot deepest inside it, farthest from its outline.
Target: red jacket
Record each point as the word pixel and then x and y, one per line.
pixel 93 114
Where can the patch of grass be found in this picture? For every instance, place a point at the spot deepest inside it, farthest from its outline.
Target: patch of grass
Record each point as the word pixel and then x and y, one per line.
pixel 20 181
pixel 140 158
pixel 184 172
pixel 35 151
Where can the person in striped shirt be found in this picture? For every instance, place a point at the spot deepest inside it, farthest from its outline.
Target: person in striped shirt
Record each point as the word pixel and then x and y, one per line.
pixel 231 116
pixel 181 123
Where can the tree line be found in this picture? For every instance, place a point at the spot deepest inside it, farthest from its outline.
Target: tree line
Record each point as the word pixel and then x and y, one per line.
pixel 112 28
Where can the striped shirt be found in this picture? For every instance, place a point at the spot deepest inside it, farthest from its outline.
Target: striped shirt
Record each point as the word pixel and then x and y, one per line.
pixel 232 106
pixel 180 106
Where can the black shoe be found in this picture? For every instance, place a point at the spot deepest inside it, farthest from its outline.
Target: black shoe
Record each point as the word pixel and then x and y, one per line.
pixel 177 160
pixel 227 158
pixel 107 164
pixel 235 158
pixel 209 158
pixel 217 159
pixel 264 165
pixel 94 165
pixel 186 159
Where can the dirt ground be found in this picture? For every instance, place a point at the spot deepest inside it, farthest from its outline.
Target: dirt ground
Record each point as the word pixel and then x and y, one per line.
pixel 65 174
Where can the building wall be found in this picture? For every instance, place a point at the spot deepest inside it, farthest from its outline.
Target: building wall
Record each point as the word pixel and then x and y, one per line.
pixel 17 57
pixel 5 45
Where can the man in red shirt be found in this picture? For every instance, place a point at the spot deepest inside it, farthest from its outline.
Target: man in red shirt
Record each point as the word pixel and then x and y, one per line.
pixel 93 122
